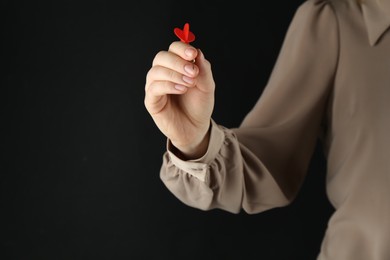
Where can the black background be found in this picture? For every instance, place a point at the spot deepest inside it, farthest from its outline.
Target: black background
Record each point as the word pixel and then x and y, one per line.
pixel 80 178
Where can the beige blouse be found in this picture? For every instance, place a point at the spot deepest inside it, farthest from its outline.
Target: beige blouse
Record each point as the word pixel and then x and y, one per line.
pixel 331 81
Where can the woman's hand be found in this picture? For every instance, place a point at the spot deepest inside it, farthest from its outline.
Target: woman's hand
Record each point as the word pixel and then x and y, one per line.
pixel 179 95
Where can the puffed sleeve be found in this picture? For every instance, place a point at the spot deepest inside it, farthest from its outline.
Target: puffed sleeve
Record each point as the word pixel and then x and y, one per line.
pixel 262 163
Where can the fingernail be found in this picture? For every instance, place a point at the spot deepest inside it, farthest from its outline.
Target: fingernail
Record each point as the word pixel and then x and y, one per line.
pixel 180 87
pixel 188 80
pixel 190 52
pixel 189 69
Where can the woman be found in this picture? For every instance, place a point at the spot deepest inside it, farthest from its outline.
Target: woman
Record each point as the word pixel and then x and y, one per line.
pixel 331 81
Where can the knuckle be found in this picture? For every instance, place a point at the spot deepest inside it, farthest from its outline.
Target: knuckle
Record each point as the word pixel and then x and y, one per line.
pixel 178 63
pixel 152 89
pixel 171 75
pixel 149 75
pixel 172 45
pixel 158 56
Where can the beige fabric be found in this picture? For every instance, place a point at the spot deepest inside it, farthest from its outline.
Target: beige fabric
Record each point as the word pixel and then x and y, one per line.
pixel 331 81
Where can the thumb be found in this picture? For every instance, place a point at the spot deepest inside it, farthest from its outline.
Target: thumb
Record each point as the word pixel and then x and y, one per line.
pixel 205 80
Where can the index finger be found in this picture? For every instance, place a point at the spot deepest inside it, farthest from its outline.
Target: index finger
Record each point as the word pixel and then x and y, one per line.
pixel 184 50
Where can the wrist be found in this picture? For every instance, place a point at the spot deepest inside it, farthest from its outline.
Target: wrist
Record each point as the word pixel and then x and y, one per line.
pixel 195 150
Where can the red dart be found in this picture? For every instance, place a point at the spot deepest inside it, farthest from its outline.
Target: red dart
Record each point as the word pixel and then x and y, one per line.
pixel 185 35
